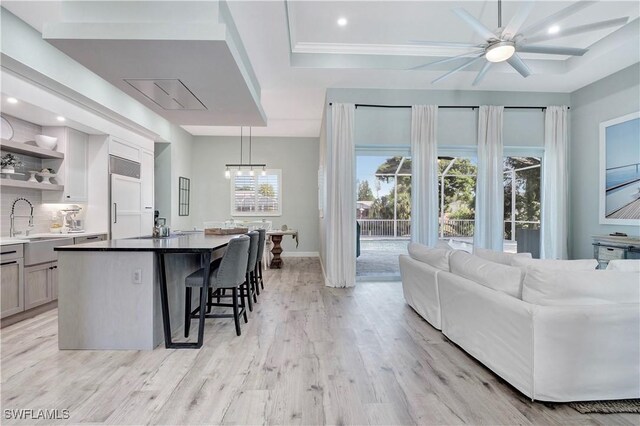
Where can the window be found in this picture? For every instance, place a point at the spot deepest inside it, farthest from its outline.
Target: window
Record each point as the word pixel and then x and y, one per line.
pixel 457 197
pixel 257 195
pixel 522 205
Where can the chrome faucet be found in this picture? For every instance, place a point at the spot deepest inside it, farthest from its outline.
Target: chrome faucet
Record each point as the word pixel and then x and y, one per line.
pixel 12 230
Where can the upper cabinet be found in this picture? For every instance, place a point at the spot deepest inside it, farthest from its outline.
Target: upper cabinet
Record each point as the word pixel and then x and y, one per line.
pixel 124 149
pixel 72 170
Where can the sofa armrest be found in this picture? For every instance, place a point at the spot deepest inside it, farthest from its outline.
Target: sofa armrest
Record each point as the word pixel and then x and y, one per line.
pixel 420 287
pixel 588 352
pixel 495 328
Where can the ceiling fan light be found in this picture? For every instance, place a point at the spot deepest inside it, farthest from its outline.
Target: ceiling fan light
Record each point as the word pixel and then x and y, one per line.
pixel 500 52
pixel 554 29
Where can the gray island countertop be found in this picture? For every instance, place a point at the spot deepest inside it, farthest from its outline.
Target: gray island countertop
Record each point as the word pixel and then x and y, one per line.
pixel 195 242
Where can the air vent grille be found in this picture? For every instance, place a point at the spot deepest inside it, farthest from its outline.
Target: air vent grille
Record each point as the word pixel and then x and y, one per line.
pixel 168 94
pixel 123 167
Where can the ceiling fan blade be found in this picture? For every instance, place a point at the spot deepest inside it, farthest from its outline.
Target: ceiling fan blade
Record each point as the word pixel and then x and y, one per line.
pixel 482 73
pixel 477 26
pixel 518 64
pixel 463 66
pixel 578 30
pixel 453 58
pixel 552 50
pixel 512 28
pixel 444 44
pixel 556 17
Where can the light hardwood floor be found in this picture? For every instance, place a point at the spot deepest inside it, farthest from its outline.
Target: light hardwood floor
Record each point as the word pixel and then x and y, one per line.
pixel 309 355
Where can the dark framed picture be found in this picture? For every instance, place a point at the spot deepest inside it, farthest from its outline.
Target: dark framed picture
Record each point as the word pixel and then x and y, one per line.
pixel 184 190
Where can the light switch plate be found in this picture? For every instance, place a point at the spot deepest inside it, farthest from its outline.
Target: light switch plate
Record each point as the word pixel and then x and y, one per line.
pixel 137 276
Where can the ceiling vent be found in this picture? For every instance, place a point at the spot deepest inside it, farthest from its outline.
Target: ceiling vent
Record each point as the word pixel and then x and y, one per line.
pixel 169 94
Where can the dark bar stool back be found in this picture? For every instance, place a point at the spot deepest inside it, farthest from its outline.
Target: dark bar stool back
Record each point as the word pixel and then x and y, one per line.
pixel 251 266
pixel 230 274
pixel 261 243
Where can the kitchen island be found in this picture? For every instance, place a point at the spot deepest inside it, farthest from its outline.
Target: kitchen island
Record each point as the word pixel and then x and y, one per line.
pixel 129 293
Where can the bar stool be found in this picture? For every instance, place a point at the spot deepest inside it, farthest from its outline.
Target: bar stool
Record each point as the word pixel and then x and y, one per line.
pixel 258 271
pixel 251 266
pixel 229 274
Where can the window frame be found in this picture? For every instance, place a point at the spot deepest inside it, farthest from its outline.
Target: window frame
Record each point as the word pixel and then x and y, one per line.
pixel 278 173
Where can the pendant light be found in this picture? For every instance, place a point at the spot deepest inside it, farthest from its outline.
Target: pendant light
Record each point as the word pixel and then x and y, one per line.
pixel 241 166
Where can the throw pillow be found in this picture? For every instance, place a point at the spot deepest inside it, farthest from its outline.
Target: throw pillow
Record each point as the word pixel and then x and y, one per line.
pixel 544 286
pixel 507 279
pixel 630 265
pixel 498 256
pixel 436 257
pixel 556 265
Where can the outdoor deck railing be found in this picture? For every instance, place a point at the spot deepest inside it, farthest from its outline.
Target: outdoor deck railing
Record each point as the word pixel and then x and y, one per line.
pixel 449 228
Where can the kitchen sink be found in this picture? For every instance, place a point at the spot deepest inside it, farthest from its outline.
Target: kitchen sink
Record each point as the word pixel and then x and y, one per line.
pixel 40 250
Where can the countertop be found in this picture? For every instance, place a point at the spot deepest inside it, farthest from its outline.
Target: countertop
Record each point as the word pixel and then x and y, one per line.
pixel 25 239
pixel 182 243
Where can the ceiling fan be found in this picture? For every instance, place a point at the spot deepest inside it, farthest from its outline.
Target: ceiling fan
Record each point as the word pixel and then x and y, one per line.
pixel 503 44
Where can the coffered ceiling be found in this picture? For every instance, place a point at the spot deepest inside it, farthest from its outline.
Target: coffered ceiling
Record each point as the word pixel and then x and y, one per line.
pixel 297 50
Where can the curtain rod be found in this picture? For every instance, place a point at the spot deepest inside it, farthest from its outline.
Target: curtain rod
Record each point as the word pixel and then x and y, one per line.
pixel 448 106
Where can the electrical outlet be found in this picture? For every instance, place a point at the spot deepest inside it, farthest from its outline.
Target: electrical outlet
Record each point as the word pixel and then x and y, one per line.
pixel 137 276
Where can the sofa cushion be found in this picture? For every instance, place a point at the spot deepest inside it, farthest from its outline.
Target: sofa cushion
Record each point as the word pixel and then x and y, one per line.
pixel 555 265
pixel 629 265
pixel 498 256
pixel 562 287
pixel 507 279
pixel 436 257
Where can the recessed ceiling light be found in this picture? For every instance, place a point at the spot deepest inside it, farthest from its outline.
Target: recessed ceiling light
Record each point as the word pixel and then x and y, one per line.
pixel 60 118
pixel 342 22
pixel 554 29
pixel 12 100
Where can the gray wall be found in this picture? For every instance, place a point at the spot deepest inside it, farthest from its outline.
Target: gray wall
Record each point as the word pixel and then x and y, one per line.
pixel 611 97
pixel 296 157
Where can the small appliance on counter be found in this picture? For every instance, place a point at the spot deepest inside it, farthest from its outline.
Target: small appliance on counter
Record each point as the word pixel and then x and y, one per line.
pixel 161 230
pixel 72 225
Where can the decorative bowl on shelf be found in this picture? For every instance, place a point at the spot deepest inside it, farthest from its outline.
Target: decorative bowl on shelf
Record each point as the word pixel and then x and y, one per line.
pixel 33 176
pixel 46 142
pixel 46 177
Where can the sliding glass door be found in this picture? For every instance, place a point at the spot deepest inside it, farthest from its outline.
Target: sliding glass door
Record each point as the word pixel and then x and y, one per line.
pixel 383 213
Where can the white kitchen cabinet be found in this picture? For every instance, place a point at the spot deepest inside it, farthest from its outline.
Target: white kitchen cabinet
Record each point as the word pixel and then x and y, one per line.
pixel 11 280
pixel 72 171
pixel 124 149
pixel 146 177
pixel 147 172
pixel 39 283
pixel 126 213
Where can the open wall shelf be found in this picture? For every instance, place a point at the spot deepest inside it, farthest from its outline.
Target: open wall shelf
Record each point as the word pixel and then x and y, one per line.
pixel 30 185
pixel 33 151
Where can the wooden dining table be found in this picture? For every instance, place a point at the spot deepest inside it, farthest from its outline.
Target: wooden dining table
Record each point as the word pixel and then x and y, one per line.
pixel 276 238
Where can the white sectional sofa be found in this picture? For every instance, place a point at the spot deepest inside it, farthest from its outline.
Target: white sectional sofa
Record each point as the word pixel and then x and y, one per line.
pixel 555 330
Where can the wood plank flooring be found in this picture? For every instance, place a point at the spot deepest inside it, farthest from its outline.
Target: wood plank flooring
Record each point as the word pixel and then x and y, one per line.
pixel 309 355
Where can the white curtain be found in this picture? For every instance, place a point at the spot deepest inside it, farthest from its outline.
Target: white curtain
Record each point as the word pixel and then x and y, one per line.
pixel 424 181
pixel 341 199
pixel 490 187
pixel 555 194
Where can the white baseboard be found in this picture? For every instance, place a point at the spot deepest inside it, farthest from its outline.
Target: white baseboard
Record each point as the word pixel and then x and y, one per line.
pixel 300 254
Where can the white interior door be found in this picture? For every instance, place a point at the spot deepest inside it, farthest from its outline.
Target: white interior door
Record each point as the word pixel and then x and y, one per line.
pixel 126 208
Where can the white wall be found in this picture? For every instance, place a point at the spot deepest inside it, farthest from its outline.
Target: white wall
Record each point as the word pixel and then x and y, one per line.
pixel 181 165
pixel 611 97
pixel 296 157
